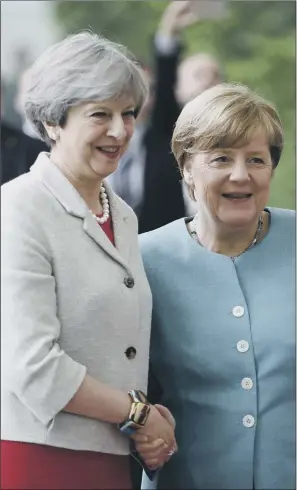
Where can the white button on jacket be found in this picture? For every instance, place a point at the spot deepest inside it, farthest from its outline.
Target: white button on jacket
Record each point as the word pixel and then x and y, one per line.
pixel 248 421
pixel 247 383
pixel 238 311
pixel 243 346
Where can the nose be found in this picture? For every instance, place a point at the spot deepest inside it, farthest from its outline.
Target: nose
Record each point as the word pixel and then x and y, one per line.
pixel 239 172
pixel 117 128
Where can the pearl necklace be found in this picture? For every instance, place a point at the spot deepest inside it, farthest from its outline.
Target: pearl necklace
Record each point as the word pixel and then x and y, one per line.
pixel 105 207
pixel 253 242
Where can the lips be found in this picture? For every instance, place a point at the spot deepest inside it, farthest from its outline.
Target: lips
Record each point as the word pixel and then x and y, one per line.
pixel 237 195
pixel 109 151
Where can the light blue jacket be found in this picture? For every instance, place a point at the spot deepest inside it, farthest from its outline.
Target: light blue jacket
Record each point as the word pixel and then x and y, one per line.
pixel 223 355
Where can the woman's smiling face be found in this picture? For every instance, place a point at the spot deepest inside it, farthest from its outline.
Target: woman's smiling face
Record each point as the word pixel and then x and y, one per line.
pixel 95 136
pixel 232 184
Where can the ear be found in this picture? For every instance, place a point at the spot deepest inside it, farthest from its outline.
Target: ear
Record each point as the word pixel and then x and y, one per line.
pixel 187 175
pixel 52 131
pixel 188 178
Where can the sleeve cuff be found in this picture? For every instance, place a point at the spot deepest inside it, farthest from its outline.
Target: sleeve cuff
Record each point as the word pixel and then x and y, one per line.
pixel 166 45
pixel 69 376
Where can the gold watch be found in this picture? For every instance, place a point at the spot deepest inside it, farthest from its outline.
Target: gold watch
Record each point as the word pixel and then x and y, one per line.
pixel 138 414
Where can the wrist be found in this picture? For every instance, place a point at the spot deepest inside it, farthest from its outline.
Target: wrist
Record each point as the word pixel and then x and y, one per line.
pixel 138 413
pixel 168 33
pixel 125 408
pixel 168 30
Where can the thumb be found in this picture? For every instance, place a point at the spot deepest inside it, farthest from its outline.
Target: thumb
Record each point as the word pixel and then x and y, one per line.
pixel 166 414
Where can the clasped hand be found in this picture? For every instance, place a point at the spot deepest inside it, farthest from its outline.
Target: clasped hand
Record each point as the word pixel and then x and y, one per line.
pixel 155 442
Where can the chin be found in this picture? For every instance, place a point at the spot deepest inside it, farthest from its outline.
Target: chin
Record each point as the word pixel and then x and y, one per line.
pixel 104 170
pixel 238 220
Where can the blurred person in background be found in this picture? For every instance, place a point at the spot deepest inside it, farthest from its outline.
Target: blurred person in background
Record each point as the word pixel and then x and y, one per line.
pixel 18 150
pixel 76 304
pixel 147 177
pixel 223 284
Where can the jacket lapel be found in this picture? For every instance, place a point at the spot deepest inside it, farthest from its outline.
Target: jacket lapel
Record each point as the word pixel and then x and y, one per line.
pixel 67 195
pixel 121 228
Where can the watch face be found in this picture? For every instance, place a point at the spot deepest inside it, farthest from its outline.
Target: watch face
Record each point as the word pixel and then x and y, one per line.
pixel 140 413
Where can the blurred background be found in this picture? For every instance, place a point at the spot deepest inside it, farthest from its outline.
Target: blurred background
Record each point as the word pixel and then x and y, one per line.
pixel 254 42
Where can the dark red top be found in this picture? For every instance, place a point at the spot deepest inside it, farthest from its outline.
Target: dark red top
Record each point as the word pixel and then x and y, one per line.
pixel 107 228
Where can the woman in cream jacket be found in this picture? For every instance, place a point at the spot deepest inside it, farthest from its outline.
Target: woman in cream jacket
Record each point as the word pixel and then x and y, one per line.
pixel 76 304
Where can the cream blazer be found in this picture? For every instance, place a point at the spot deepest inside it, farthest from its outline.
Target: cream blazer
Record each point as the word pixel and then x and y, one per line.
pixel 67 309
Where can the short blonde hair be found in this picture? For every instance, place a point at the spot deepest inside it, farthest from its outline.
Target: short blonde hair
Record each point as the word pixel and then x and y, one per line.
pixel 225 116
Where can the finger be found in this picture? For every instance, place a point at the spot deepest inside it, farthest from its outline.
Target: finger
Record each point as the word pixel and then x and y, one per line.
pixel 161 458
pixel 154 463
pixel 172 451
pixel 151 455
pixel 147 453
pixel 139 437
pixel 159 453
pixel 162 454
pixel 157 445
pixel 151 452
pixel 166 414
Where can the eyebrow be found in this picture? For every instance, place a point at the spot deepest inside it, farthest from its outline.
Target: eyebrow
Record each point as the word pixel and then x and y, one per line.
pixel 249 152
pixel 258 151
pixel 98 106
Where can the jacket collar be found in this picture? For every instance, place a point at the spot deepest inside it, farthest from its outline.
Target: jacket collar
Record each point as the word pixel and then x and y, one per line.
pixel 60 187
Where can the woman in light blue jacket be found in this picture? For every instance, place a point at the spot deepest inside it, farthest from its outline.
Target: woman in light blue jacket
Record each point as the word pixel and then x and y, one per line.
pixel 223 283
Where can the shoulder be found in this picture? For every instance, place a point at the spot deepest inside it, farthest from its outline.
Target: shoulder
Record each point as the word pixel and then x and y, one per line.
pixel 162 240
pixel 284 219
pixel 16 188
pixel 24 204
pixel 24 223
pixel 21 191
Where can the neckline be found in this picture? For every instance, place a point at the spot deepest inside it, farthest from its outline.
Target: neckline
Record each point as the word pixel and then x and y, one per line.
pixel 196 244
pixel 101 215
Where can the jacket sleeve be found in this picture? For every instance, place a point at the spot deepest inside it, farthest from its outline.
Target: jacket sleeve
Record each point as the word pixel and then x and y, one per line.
pixel 165 109
pixel 154 391
pixel 35 368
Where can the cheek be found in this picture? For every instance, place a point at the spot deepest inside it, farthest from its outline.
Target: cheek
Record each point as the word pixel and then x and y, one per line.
pixel 130 130
pixel 78 137
pixel 263 180
pixel 208 181
pixel 89 137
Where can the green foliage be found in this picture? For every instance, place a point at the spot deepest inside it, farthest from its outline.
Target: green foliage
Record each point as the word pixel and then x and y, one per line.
pixel 131 23
pixel 255 44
